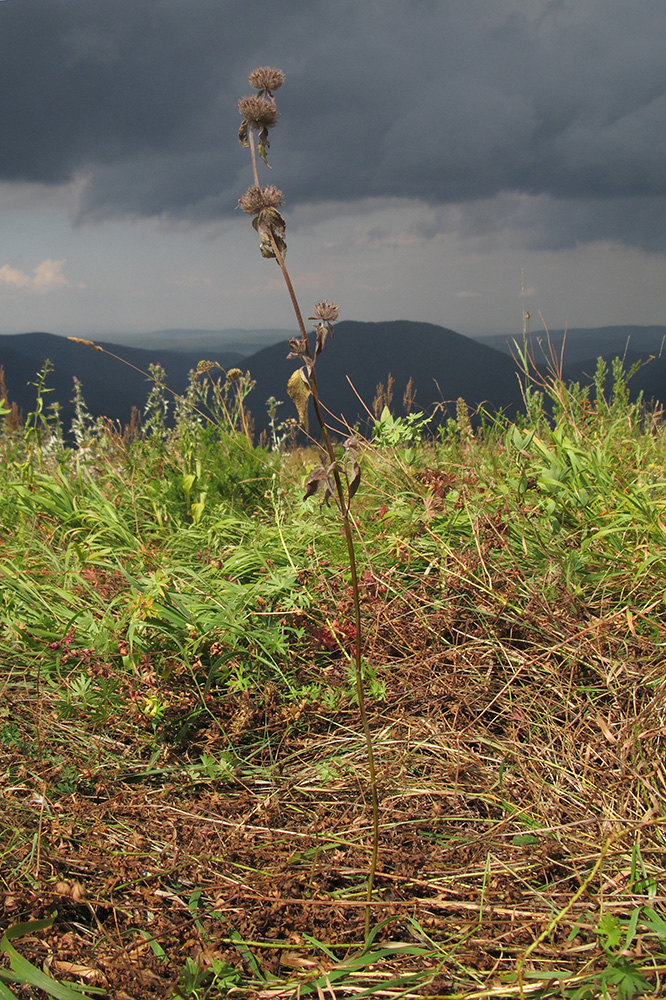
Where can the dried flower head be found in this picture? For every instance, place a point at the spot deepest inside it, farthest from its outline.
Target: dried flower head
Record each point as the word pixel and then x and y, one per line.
pixel 328 312
pixel 256 198
pixel 234 374
pixel 205 366
pixel 266 79
pixel 258 112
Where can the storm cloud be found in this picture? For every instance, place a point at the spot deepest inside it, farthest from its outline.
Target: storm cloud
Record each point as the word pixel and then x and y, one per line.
pixel 548 116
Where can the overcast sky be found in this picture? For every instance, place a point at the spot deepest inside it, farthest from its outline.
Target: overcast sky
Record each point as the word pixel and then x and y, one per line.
pixel 433 154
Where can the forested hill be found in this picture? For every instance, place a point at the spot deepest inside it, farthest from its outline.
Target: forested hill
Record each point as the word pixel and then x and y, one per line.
pixel 442 365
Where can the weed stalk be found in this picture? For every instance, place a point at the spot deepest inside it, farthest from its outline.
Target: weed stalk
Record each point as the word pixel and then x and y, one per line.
pixel 260 114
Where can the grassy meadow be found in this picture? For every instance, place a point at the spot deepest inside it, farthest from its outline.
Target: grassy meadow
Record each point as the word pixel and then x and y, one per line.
pixel 185 798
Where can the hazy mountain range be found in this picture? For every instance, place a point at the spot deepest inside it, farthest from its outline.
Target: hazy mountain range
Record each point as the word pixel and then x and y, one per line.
pixel 582 345
pixel 441 363
pixel 242 342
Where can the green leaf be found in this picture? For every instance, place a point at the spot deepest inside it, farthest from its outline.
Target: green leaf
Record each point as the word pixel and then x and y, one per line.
pixel 29 974
pixel 524 840
pixel 188 482
pixel 155 946
pixel 626 977
pixel 631 929
pixel 654 922
pixel 246 954
pixel 610 927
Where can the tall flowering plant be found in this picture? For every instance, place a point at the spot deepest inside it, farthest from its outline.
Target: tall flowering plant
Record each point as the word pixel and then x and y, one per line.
pixel 335 479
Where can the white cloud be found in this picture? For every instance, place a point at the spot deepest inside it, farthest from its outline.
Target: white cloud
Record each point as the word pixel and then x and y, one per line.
pixel 13 277
pixel 46 277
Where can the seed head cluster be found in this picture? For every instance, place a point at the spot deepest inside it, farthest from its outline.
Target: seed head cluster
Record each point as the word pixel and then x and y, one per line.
pixel 258 112
pixel 266 79
pixel 327 312
pixel 256 198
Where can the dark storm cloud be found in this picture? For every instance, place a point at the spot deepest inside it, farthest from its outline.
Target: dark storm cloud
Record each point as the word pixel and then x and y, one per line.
pixel 448 102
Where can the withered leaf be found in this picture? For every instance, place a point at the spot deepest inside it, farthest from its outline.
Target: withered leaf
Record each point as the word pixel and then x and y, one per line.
pixel 351 447
pixel 355 480
pixel 269 223
pixel 321 478
pixel 264 145
pixel 322 330
pixel 299 391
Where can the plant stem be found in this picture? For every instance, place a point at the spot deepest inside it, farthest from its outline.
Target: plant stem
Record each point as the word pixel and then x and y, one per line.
pixel 241 410
pixel 351 554
pixel 253 154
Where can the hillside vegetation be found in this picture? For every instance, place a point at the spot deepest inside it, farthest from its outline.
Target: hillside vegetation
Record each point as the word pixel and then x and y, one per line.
pixel 185 806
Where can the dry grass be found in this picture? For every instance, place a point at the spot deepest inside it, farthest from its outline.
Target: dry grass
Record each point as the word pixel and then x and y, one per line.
pixel 506 772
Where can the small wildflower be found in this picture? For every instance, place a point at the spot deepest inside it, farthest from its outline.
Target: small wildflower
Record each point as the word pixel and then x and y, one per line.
pixel 205 366
pixel 266 79
pixel 234 374
pixel 328 312
pixel 256 198
pixel 258 112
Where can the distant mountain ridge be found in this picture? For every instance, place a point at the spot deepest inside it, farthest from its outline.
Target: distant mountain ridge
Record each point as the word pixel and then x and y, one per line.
pixel 442 365
pixel 235 340
pixel 585 343
pixel 578 348
pixel 110 387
